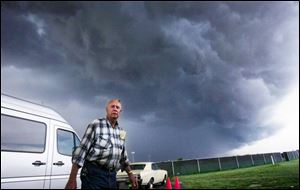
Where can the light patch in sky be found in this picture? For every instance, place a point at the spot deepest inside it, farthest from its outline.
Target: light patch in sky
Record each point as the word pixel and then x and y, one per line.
pixel 286 114
pixel 39 23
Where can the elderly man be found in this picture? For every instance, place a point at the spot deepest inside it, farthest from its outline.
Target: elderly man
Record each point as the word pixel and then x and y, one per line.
pixel 101 153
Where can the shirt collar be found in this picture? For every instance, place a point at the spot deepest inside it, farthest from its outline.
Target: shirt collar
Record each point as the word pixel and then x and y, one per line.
pixel 108 123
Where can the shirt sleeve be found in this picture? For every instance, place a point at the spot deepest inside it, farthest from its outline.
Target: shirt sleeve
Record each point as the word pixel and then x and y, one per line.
pixel 82 150
pixel 124 162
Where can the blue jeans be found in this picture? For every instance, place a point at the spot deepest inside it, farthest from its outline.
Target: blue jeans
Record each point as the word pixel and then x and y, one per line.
pixel 94 177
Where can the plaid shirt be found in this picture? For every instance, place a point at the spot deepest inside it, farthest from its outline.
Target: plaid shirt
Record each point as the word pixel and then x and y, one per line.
pixel 103 144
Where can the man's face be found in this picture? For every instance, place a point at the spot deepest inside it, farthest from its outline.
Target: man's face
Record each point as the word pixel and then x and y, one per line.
pixel 113 109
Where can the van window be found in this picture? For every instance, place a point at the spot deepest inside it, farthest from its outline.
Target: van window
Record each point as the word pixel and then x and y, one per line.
pixel 23 135
pixel 67 140
pixel 154 167
pixel 77 141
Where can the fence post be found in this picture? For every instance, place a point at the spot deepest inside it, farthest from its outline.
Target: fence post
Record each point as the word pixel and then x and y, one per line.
pixel 198 166
pixel 173 168
pixel 237 162
pixel 220 167
pixel 264 158
pixel 272 159
pixel 252 160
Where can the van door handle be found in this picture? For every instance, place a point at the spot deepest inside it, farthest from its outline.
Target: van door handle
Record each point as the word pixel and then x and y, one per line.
pixel 38 163
pixel 59 163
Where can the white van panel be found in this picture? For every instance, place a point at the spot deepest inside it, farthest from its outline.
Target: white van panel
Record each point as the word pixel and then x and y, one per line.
pixel 31 184
pixel 60 173
pixel 17 167
pixel 17 170
pixel 29 107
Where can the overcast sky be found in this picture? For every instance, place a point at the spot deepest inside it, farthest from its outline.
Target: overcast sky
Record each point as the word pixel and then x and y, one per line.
pixel 196 79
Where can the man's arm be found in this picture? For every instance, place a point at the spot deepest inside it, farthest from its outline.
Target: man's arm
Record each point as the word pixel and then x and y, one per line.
pixel 72 183
pixel 79 155
pixel 132 178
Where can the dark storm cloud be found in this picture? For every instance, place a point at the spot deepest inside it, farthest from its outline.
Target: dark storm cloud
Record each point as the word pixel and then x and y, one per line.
pixel 195 71
pixel 43 7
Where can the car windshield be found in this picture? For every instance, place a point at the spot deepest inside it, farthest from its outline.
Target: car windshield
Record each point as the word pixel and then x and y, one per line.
pixel 137 166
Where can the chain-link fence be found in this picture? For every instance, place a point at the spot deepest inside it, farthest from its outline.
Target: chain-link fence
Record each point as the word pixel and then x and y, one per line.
pixel 184 167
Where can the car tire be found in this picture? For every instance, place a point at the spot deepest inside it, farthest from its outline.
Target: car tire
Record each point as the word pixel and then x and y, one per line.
pixel 164 180
pixel 150 184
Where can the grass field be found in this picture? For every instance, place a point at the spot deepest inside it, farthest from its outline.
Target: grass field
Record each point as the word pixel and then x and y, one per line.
pixel 283 175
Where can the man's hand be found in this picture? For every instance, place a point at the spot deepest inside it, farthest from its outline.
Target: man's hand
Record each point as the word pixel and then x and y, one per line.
pixel 133 181
pixel 72 184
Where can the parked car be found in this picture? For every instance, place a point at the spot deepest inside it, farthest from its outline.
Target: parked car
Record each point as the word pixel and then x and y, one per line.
pixel 147 174
pixel 36 146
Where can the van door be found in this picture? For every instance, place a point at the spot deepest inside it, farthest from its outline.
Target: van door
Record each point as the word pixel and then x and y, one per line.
pixel 24 150
pixel 65 142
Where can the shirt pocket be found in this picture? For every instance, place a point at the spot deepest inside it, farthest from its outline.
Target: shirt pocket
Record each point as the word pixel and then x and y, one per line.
pixel 104 141
pixel 121 145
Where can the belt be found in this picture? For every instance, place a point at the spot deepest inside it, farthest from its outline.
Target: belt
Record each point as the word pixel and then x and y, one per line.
pixel 102 167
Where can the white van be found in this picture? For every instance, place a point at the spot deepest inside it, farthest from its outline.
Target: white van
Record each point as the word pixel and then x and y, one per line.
pixel 36 146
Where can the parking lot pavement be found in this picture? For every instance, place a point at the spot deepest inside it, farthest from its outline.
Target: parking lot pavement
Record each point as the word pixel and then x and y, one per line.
pixel 125 186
